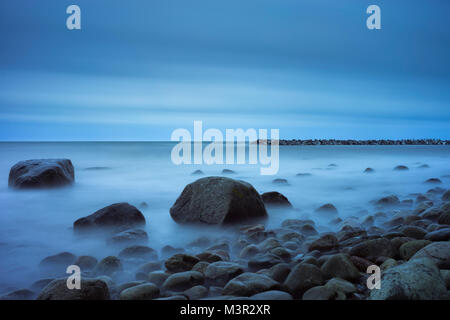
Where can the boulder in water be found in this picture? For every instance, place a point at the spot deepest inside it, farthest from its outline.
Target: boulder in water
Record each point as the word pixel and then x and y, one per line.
pixel 41 173
pixel 275 199
pixel 218 200
pixel 116 217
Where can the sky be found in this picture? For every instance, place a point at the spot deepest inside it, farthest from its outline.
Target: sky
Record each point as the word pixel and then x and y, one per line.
pixel 139 69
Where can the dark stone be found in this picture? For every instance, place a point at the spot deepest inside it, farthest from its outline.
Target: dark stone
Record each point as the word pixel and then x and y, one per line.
pixel 433 181
pixel 218 200
pixel 41 173
pixel 369 170
pixel 391 200
pixel 401 168
pixel 275 199
pixel 137 251
pixel 117 217
pixel 280 181
pixel 181 262
pixel 327 208
pixel 228 171
pixel 91 289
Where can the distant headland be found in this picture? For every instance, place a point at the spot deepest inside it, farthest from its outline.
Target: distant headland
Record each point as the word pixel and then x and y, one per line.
pixel 350 142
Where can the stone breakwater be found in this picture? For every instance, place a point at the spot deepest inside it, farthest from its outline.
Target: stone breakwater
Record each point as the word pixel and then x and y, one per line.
pixel 334 142
pixel 407 238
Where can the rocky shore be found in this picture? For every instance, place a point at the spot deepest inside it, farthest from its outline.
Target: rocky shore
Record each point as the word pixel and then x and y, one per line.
pixel 334 142
pixel 408 239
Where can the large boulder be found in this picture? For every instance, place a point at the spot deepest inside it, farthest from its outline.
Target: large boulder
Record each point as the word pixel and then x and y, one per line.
pixel 41 173
pixel 418 279
pixel 340 266
pixel 91 289
pixel 116 217
pixel 183 280
pixel 372 249
pixel 218 200
pixel 219 273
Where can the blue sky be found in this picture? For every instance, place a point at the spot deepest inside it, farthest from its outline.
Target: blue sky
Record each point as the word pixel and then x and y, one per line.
pixel 139 70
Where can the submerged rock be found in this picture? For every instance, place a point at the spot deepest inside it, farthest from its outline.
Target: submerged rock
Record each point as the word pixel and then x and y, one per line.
pixel 41 173
pixel 197 172
pixel 280 181
pixel 57 263
pixel 137 251
pixel 218 200
pixel 401 168
pixel 91 289
pixel 275 199
pixel 369 170
pixel 327 208
pixel 228 171
pixel 131 236
pixel 116 217
pixel 433 181
pixel 391 200
pixel 108 266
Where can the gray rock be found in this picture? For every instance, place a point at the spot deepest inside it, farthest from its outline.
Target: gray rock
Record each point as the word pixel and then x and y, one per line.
pixel 340 266
pixel 271 295
pixel 303 277
pixel 418 279
pixel 324 243
pixel 181 262
pixel 91 289
pixel 116 217
pixel 327 209
pixel 183 280
pixel 218 200
pixel 108 266
pixel 439 235
pixel 388 201
pixel 41 173
pixel 145 291
pixel 157 277
pixel 261 261
pixel 248 284
pixel 275 199
pixel 131 236
pixel 439 252
pixel 320 293
pixel 408 249
pixel 340 285
pixel 219 273
pixel 196 292
pixel 372 249
pixel 57 263
pixel 138 251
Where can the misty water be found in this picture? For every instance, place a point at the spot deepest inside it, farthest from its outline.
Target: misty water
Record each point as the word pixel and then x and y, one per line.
pixel 35 224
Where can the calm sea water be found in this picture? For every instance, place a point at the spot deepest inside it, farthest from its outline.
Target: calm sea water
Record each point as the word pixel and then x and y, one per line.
pixel 35 224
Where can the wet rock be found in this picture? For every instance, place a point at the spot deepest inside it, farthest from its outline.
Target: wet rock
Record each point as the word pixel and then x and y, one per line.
pixel 340 285
pixel 324 243
pixel 196 292
pixel 117 217
pixel 279 272
pixel 249 251
pixel 281 252
pixel 391 200
pixel 303 277
pixel 157 277
pixel 388 263
pixel 320 293
pixel 142 252
pixel 40 284
pixel 209 257
pixel 340 266
pixel 22 294
pixel 228 171
pixel 401 168
pixel 446 196
pixel 149 267
pixel 413 232
pixel 90 290
pixel 218 200
pixel 108 266
pixel 262 261
pixel 86 263
pixel 433 181
pixel 445 274
pixel 439 235
pixel 271 295
pixel 327 209
pixel 275 199
pixel 201 267
pixel 268 244
pixel 183 280
pixel 129 284
pixel 444 218
pixel 439 252
pixel 219 273
pixel 369 170
pixel 41 173
pixel 418 279
pixel 280 181
pixel 308 230
pixel 408 249
pixel 131 236
pixel 181 262
pixel 371 249
pixel 57 263
pixel 249 284
pixel 146 291
pixel 360 263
